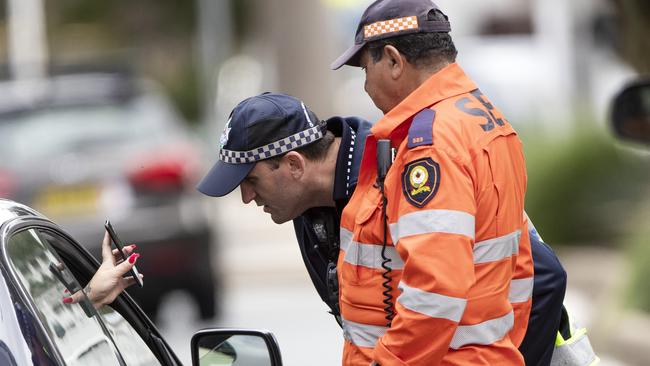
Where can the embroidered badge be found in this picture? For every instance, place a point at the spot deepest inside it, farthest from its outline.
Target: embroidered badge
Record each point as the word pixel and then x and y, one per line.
pixel 223 140
pixel 420 181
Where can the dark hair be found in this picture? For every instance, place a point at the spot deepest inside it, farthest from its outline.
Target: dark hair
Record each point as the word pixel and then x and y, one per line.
pixel 420 49
pixel 316 151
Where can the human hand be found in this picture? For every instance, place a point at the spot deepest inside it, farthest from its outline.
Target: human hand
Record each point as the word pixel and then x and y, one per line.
pixel 108 282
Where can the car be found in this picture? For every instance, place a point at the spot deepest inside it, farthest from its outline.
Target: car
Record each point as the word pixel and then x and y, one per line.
pixel 630 117
pixel 39 260
pixel 85 147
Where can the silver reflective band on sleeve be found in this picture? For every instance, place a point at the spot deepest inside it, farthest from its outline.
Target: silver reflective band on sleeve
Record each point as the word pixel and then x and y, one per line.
pixel 433 221
pixel 575 352
pixel 362 335
pixel 521 289
pixel 496 249
pixel 346 239
pixel 487 332
pixel 431 304
pixel 368 255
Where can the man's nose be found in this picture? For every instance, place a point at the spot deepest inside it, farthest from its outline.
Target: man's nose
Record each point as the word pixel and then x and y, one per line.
pixel 247 192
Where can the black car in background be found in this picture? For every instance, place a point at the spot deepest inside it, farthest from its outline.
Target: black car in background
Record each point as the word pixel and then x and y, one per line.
pixel 83 148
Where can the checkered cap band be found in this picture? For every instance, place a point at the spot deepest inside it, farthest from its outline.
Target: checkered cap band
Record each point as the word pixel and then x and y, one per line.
pixel 273 149
pixel 389 26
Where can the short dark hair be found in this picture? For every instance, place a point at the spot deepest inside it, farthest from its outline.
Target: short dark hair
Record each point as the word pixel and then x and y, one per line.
pixel 420 49
pixel 316 151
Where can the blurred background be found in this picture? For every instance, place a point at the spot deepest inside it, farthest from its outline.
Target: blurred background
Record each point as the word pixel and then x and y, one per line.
pixel 112 109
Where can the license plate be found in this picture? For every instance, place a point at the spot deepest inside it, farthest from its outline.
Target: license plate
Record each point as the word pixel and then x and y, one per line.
pixel 58 202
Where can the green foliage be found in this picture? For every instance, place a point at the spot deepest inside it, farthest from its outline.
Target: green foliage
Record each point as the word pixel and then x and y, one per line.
pixel 184 90
pixel 583 189
pixel 638 256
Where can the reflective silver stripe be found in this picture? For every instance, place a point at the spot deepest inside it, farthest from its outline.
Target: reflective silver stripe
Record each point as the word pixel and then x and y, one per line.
pixel 496 249
pixel 362 335
pixel 521 289
pixel 368 255
pixel 487 332
pixel 433 221
pixel 346 238
pixel 431 304
pixel 578 352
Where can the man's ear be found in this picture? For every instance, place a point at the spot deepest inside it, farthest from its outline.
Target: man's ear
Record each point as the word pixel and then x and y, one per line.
pixel 296 164
pixel 396 61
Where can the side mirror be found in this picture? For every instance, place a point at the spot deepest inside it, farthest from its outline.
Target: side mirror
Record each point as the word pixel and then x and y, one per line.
pixel 235 347
pixel 631 112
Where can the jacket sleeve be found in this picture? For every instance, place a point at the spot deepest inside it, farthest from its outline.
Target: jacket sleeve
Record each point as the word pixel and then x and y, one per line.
pixel 431 219
pixel 550 282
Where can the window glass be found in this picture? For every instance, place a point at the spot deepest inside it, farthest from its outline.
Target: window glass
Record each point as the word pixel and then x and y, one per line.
pixel 128 341
pixel 133 349
pixel 74 329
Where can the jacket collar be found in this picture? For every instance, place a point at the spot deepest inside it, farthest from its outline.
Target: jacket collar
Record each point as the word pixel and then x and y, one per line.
pixel 353 132
pixel 450 81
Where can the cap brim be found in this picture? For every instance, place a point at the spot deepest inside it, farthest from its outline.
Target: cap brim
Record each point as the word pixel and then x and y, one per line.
pixel 223 178
pixel 348 57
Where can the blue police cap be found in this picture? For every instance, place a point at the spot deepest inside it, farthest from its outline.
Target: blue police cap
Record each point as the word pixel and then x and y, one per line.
pixel 260 127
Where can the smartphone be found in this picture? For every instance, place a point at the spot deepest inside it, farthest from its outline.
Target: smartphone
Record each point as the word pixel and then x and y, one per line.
pixel 120 246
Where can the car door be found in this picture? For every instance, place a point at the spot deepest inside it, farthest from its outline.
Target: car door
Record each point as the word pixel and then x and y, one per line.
pixel 43 262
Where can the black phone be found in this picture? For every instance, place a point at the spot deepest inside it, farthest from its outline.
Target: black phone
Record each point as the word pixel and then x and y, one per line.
pixel 120 246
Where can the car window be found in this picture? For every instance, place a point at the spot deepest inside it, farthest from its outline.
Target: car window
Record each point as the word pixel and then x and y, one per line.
pixel 132 347
pixel 128 341
pixel 75 329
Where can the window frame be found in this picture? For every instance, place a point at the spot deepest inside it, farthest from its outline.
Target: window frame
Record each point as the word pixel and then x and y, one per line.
pixel 82 265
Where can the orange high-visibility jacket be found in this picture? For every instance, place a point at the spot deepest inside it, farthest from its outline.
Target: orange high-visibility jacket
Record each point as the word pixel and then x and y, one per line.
pixel 457 235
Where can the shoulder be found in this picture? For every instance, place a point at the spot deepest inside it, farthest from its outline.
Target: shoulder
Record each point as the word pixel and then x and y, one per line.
pixel 434 128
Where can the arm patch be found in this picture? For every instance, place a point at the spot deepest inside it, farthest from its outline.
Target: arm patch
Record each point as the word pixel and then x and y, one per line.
pixel 420 181
pixel 421 130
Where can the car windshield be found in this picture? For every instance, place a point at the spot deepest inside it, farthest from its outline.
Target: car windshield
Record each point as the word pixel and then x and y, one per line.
pixel 38 133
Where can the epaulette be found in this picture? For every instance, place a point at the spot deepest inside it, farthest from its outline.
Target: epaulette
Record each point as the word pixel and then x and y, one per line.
pixel 421 130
